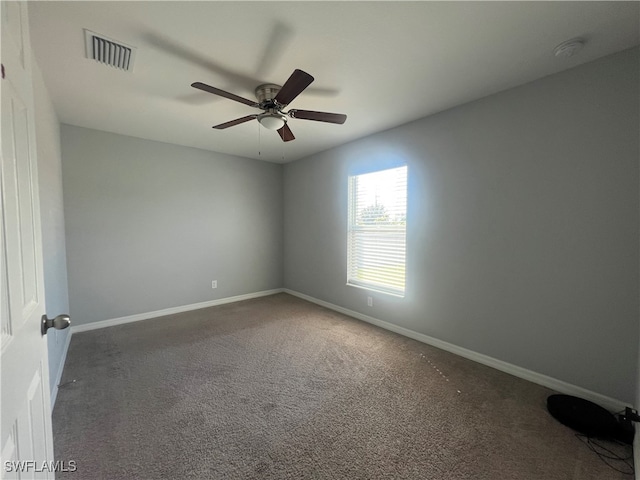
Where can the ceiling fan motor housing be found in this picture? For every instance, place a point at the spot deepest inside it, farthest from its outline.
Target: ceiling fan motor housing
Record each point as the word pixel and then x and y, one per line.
pixel 272 119
pixel 266 92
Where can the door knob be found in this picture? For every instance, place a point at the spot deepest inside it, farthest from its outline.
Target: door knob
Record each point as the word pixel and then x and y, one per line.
pixel 59 323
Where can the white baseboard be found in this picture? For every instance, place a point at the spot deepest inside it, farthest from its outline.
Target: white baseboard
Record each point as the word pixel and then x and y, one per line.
pixel 560 386
pixel 63 359
pixel 144 316
pixel 170 311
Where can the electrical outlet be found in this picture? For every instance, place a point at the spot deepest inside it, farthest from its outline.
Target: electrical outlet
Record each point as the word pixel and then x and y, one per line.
pixel 370 301
pixel 214 283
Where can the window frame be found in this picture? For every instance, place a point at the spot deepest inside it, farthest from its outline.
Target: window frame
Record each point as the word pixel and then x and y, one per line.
pixel 353 229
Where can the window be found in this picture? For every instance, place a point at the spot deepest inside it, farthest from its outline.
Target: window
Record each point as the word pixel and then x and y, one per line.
pixel 377 230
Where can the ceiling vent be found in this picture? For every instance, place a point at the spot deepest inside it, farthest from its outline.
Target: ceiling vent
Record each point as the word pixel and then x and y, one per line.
pixel 108 51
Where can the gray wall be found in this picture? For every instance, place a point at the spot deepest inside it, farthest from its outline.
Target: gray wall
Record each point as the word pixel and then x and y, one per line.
pixel 522 225
pixel 149 225
pixel 52 219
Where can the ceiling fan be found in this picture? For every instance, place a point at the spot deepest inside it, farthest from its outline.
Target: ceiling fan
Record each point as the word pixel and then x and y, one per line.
pixel 272 99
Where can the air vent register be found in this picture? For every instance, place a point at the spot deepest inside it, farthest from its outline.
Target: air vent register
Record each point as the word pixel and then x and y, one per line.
pixel 108 51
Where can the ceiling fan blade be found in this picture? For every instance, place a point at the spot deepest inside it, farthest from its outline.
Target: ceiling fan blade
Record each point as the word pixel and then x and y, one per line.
pixel 275 46
pixel 318 116
pixel 286 134
pixel 295 84
pixel 232 123
pixel 216 91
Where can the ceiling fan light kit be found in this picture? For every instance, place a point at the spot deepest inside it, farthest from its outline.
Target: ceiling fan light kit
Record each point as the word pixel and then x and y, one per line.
pixel 272 99
pixel 272 121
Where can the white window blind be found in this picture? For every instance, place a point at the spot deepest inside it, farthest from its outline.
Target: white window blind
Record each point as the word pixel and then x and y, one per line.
pixel 377 230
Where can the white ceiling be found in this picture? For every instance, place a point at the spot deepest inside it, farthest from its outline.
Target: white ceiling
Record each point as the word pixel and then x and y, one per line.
pixel 381 63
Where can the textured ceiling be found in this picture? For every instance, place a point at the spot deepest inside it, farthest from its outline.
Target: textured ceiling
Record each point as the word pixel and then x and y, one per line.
pixel 381 63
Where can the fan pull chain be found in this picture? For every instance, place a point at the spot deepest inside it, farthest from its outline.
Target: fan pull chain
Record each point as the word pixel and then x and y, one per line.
pixel 259 141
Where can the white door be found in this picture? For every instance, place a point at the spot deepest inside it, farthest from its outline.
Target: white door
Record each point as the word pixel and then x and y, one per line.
pixel 26 441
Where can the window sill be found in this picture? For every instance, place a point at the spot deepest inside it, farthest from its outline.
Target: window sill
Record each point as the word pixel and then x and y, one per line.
pixel 375 290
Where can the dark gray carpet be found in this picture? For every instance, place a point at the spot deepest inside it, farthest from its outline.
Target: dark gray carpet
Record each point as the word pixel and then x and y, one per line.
pixel 278 388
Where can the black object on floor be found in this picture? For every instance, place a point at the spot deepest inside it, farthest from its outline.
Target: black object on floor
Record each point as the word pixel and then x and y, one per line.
pixel 587 418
